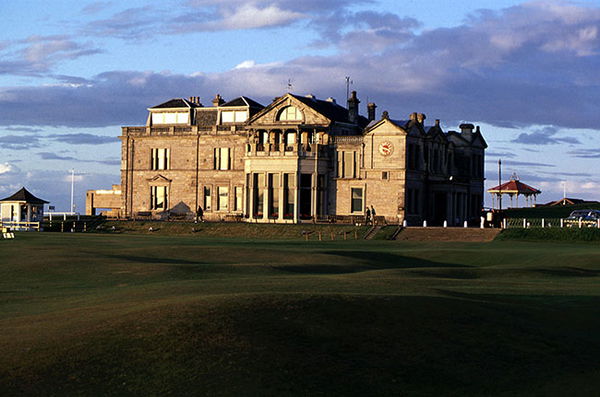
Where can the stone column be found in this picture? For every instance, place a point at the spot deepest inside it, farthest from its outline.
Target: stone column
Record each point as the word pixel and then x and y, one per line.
pixel 265 188
pixel 280 195
pixel 296 193
pixel 250 201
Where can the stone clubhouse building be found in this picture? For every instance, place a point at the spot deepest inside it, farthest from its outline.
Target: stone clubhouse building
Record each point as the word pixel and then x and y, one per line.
pixel 297 159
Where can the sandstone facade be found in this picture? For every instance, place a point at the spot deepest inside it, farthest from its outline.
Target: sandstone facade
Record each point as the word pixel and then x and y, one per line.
pixel 298 159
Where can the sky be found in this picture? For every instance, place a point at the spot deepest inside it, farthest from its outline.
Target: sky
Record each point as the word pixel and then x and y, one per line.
pixel 73 72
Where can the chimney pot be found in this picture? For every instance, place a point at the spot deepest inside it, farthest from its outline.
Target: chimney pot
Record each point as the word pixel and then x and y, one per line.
pixel 466 127
pixel 218 100
pixel 353 108
pixel 371 111
pixel 421 118
pixel 385 115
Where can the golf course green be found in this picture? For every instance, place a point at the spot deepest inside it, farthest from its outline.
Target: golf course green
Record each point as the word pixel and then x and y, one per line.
pixel 145 315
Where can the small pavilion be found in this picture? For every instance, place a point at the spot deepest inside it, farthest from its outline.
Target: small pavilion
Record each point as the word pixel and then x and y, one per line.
pixel 21 209
pixel 514 188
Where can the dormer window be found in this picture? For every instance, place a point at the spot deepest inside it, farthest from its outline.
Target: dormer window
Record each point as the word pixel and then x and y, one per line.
pixel 170 118
pixel 237 116
pixel 290 113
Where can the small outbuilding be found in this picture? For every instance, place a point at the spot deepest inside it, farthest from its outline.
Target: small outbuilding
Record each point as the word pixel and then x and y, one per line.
pixel 22 211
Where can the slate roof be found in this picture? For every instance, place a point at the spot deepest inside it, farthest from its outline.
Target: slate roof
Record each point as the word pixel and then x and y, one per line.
pixel 243 101
pixel 206 118
pixel 25 195
pixel 331 110
pixel 176 103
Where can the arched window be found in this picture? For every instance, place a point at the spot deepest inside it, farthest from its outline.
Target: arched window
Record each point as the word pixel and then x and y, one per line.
pixel 290 113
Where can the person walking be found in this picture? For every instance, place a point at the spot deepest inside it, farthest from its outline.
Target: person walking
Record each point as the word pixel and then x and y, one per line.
pixel 200 214
pixel 367 216
pixel 373 214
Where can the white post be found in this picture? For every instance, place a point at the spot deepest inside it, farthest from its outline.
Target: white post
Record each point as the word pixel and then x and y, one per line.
pixel 445 223
pixel 580 222
pixel 524 223
pixel 543 223
pixel 465 224
pixel 505 222
pixel 72 186
pixel 482 222
pixel 598 223
pixel 562 222
pixel 404 223
pixel 425 223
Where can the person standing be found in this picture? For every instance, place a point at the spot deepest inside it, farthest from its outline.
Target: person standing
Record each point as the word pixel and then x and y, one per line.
pixel 367 216
pixel 373 214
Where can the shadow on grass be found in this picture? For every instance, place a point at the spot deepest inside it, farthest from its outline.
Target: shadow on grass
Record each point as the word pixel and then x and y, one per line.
pixel 569 272
pixel 154 260
pixel 365 261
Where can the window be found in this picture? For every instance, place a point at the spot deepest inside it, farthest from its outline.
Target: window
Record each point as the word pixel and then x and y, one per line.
pixel 223 194
pixel 273 195
pixel 385 175
pixel 234 116
pixel 160 159
pixel 170 118
pixel 207 198
pixel 222 159
pixel 289 181
pixel 290 113
pixel 259 184
pixel 237 199
pixel 349 165
pixel 357 199
pixel 158 197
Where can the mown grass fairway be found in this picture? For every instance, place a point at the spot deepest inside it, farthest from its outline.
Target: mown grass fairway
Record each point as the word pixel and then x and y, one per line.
pixel 85 314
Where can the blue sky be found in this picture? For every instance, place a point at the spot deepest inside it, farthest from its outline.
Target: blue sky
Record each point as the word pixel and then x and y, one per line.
pixel 72 73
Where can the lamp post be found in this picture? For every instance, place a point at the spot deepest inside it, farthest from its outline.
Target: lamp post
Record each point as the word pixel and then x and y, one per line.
pixel 500 184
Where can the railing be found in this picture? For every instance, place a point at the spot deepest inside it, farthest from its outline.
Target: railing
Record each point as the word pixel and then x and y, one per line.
pixel 354 139
pixel 20 225
pixel 527 223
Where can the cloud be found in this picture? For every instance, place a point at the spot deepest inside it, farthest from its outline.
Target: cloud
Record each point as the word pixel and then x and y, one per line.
pixel 500 154
pixel 509 67
pixel 6 168
pixel 544 136
pixel 512 163
pixel 23 129
pixel 96 7
pixel 83 139
pixel 131 24
pixel 37 55
pixel 593 153
pixel 54 156
pixel 19 142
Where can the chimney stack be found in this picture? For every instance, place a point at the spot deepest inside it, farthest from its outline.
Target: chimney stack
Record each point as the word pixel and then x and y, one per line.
pixel 371 111
pixel 437 122
pixel 413 116
pixel 466 127
pixel 218 101
pixel 353 108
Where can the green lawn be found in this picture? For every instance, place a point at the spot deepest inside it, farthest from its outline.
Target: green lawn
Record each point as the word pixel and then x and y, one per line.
pixel 127 314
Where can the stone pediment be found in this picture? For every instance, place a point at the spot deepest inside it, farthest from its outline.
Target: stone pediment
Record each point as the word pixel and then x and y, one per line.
pixel 308 114
pixel 159 180
pixel 387 127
